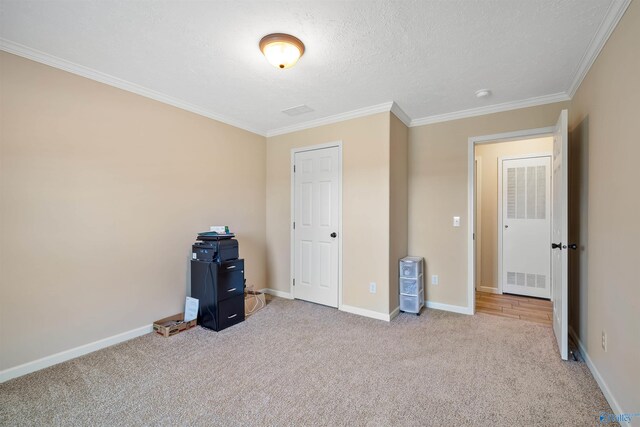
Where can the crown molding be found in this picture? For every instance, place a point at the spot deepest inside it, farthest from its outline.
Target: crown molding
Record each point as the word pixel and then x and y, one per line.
pixel 613 16
pixel 400 114
pixel 80 70
pixel 608 24
pixel 490 109
pixel 361 112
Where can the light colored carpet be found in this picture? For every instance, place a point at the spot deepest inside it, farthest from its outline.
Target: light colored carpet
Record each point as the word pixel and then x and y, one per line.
pixel 296 363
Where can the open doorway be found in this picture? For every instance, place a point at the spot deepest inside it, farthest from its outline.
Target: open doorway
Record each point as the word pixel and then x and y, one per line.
pixel 558 249
pixel 512 213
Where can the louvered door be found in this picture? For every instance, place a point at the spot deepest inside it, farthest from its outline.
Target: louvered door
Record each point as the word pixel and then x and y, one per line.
pixel 526 222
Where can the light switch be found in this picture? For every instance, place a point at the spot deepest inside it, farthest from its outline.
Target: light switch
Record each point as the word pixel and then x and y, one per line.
pixel 456 221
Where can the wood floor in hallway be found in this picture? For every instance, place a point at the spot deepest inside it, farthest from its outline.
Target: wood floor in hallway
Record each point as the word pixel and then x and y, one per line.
pixel 515 306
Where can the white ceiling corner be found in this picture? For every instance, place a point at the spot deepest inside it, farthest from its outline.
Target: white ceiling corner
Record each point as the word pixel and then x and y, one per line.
pixel 429 57
pixel 490 109
pixel 609 23
pixel 400 114
pixel 361 112
pixel 61 64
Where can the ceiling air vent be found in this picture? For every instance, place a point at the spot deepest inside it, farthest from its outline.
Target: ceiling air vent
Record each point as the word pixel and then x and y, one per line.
pixel 296 111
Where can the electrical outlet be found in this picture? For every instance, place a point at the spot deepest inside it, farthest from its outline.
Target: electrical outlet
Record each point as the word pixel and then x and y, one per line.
pixel 604 341
pixel 372 287
pixel 435 279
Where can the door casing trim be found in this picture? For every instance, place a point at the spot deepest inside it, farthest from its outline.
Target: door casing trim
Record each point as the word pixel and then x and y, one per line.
pixel 472 142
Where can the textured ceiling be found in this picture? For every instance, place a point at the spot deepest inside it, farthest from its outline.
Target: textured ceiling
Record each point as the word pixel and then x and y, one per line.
pixel 427 56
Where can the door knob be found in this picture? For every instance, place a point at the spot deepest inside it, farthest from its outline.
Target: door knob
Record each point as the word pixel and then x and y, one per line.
pixel 556 246
pixel 572 246
pixel 334 235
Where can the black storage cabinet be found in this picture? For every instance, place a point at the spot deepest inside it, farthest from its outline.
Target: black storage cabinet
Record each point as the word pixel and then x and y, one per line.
pixel 220 288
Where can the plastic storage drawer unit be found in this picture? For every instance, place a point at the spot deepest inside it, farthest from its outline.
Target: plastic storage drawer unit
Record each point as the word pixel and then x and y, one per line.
pixel 411 266
pixel 411 284
pixel 411 303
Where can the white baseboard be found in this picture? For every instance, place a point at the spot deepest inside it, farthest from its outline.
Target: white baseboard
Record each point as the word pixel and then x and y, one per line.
pixel 615 407
pixel 277 293
pixel 448 307
pixel 347 308
pixel 488 289
pixel 367 313
pixel 63 356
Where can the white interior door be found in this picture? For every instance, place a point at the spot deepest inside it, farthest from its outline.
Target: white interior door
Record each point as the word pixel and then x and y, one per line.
pixel 559 236
pixel 526 226
pixel 477 227
pixel 317 184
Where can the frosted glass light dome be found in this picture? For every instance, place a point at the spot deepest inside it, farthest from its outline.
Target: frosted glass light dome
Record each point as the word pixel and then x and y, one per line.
pixel 281 50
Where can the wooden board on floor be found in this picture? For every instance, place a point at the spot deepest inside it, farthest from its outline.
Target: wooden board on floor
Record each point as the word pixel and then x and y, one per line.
pixel 515 306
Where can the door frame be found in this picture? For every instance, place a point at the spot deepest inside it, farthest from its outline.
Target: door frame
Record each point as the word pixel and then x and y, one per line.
pixel 500 202
pixel 478 223
pixel 472 142
pixel 292 244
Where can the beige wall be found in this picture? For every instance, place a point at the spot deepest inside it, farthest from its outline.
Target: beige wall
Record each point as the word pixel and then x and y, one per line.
pixel 398 204
pixel 604 119
pixel 438 159
pixel 365 206
pixel 487 230
pixel 101 194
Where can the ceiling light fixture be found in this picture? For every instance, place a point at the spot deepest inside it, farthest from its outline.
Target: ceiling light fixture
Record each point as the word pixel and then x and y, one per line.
pixel 483 93
pixel 281 50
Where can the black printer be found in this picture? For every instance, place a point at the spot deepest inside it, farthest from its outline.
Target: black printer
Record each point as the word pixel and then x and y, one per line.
pixel 216 248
